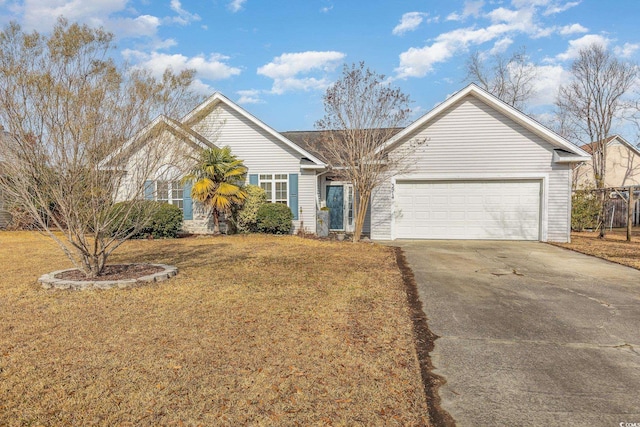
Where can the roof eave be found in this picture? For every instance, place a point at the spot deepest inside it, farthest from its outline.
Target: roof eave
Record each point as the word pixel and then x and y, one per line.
pixel 570 158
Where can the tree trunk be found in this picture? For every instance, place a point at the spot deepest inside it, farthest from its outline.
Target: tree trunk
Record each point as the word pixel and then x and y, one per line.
pixel 216 222
pixel 93 265
pixel 603 213
pixel 361 213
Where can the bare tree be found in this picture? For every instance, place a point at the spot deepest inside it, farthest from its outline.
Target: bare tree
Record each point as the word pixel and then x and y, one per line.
pixel 67 106
pixel 512 79
pixel 362 111
pixel 592 101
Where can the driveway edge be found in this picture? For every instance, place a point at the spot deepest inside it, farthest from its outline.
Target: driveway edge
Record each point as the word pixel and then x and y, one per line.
pixel 424 341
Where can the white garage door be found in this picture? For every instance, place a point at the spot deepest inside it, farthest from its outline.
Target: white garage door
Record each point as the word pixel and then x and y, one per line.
pixel 500 210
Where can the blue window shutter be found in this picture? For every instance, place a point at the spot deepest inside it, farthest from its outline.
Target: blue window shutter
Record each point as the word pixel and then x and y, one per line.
pixel 148 190
pixel 187 203
pixel 293 194
pixel 253 179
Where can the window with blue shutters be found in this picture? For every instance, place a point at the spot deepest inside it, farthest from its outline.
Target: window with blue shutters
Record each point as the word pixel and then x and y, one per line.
pixel 279 188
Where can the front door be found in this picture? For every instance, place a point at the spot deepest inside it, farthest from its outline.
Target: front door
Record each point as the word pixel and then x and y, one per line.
pixel 335 203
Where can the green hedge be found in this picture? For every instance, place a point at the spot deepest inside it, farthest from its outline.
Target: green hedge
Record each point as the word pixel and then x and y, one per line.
pixel 274 218
pixel 156 219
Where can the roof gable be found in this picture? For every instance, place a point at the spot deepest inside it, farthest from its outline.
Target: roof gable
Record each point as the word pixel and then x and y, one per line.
pixel 218 98
pixel 159 124
pixel 498 105
pixel 611 140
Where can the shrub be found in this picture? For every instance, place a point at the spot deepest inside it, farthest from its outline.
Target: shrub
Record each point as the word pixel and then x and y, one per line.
pixel 274 218
pixel 163 219
pixel 247 216
pixel 585 209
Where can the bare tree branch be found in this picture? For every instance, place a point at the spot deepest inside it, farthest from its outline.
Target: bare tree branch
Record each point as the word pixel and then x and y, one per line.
pixel 510 79
pixel 362 112
pixel 591 102
pixel 67 106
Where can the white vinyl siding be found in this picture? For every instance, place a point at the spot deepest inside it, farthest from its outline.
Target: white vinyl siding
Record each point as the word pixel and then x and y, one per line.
pixel 131 184
pixel 471 140
pixel 307 190
pixel 261 152
pixel 381 210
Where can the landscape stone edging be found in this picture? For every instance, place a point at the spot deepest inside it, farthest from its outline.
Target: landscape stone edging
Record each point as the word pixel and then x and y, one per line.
pixel 49 280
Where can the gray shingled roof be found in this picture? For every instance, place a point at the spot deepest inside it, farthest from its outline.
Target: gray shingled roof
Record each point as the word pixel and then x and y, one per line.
pixel 312 141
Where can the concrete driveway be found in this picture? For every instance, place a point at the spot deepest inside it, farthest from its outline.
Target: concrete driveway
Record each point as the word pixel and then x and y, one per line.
pixel 530 334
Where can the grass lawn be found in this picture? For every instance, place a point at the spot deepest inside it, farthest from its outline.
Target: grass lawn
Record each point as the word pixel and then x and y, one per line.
pixel 254 330
pixel 613 248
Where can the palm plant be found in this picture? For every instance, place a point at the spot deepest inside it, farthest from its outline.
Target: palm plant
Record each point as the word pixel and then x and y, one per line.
pixel 218 182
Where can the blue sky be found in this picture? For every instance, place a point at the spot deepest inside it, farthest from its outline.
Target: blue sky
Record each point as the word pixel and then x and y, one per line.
pixel 277 58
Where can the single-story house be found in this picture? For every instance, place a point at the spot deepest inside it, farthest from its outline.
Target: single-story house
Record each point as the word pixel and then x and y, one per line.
pixel 486 171
pixel 622 165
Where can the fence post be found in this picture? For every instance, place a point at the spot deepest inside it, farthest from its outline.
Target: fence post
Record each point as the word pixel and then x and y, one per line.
pixel 630 205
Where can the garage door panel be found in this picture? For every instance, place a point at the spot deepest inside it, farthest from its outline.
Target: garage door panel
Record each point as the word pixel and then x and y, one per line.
pixel 468 210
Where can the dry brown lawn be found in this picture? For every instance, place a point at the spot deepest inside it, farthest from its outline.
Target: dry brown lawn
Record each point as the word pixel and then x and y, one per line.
pixel 613 247
pixel 254 330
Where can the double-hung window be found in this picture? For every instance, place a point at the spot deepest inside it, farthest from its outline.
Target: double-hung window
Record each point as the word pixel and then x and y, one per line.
pixel 171 192
pixel 275 186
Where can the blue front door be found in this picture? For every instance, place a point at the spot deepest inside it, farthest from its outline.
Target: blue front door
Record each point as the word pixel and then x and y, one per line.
pixel 335 203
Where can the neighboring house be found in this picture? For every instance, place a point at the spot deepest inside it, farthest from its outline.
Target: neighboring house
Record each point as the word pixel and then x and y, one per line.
pixel 487 171
pixel 622 165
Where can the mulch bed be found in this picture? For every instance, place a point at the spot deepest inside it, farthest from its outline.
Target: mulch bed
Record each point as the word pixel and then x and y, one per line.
pixel 113 272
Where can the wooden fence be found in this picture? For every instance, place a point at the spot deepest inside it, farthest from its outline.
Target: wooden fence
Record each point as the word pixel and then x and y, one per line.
pixel 617 213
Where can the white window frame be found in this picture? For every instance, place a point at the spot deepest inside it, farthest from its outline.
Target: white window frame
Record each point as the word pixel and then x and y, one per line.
pixel 174 187
pixel 271 198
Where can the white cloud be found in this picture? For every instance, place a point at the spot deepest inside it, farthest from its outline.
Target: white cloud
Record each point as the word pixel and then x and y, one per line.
pixel 501 46
pixel 471 8
pixel 212 67
pixel 114 15
pixel 184 17
pixel 627 50
pixel 250 96
pixel 557 7
pixel 41 14
pixel 326 9
pixel 236 5
pixel 522 17
pixel 417 62
pixel 583 42
pixel 572 29
pixel 142 26
pixel 409 22
pixel 548 80
pixel 294 84
pixel 286 68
